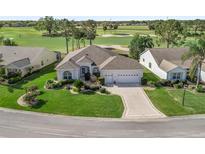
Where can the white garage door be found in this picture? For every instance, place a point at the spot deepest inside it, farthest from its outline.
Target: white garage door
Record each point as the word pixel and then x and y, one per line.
pixel 108 78
pixel 128 78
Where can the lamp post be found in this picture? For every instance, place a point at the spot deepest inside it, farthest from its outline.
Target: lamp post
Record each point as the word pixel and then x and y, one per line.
pixel 184 94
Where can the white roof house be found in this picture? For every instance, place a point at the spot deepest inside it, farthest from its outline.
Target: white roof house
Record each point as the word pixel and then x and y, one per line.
pixel 166 62
pixel 16 58
pixel 113 67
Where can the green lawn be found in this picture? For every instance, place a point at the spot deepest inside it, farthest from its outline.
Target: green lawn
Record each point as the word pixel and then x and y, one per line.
pixel 61 101
pixel 28 36
pixel 169 101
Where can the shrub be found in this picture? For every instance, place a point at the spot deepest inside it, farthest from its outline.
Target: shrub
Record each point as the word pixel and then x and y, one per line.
pixel 94 87
pixel 78 84
pixel 87 91
pixel 93 78
pixel 101 80
pixel 14 80
pixel 143 81
pixel 29 97
pixel 104 91
pixel 151 83
pixel 13 75
pixel 97 74
pixel 178 85
pixel 49 81
pixel 75 89
pixel 174 82
pixel 2 72
pixel 165 82
pixel 64 82
pixel 32 88
pixel 200 89
pixel 2 79
pixel 31 94
pixel 157 84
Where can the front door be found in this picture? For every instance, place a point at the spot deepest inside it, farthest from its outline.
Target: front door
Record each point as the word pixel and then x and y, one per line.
pixel 84 70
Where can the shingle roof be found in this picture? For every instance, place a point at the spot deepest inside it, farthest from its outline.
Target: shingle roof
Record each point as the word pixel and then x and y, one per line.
pixel 170 57
pixel 21 63
pixel 122 63
pixel 103 58
pixel 12 54
pixel 167 66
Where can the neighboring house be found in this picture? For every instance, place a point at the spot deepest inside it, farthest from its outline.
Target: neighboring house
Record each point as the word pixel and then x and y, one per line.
pixel 166 62
pixel 25 59
pixel 93 59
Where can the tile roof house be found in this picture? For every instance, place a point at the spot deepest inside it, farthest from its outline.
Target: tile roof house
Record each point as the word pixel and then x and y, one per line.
pixel 92 59
pixel 23 59
pixel 166 62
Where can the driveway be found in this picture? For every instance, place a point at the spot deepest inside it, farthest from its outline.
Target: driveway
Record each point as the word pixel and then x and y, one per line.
pixel 136 102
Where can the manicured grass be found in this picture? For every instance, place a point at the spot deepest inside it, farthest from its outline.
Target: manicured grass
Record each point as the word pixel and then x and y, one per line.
pixel 127 30
pixel 150 76
pixel 169 101
pixel 61 101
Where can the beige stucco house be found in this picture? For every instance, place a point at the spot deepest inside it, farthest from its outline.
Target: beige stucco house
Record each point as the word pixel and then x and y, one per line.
pixel 94 59
pixel 25 59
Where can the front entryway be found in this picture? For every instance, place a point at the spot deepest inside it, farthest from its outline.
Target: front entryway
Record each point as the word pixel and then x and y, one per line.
pixel 84 70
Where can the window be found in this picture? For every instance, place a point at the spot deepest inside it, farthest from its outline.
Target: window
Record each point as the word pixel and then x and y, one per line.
pixel 42 63
pixel 95 70
pixel 176 76
pixel 143 60
pixel 67 75
pixel 150 65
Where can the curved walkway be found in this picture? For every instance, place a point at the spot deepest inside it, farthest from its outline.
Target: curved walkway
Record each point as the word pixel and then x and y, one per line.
pixel 136 102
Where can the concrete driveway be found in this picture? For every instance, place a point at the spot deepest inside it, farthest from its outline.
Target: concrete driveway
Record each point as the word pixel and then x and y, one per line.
pixel 136 102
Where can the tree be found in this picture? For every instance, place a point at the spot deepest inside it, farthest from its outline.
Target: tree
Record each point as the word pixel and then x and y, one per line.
pixel 104 27
pixel 47 23
pixel 9 42
pixel 90 27
pixel 139 44
pixel 78 35
pixel 66 28
pixel 169 31
pixel 197 55
pixel 115 26
pixel 1 39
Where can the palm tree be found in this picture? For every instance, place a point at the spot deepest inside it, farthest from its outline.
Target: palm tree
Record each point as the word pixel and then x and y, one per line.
pixel 66 28
pixel 197 55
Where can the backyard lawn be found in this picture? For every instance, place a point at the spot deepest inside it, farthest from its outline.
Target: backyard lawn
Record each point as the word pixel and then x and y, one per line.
pixel 61 101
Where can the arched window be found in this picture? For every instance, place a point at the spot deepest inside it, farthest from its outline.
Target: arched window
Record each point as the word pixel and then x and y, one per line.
pixel 67 75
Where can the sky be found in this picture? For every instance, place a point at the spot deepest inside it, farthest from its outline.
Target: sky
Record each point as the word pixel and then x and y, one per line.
pixel 104 18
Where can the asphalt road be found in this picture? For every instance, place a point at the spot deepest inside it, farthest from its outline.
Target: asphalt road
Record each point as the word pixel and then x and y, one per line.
pixel 27 124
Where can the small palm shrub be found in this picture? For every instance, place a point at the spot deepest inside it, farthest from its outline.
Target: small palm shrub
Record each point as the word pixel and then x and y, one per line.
pixel 78 84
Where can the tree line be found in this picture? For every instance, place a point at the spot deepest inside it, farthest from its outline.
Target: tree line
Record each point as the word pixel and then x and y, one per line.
pixel 70 30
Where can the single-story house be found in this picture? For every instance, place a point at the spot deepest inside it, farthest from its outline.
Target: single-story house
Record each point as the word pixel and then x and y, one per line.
pixel 25 59
pixel 166 62
pixel 94 59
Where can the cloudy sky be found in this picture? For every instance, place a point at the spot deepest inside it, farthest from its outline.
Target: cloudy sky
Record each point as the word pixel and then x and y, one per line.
pixel 103 18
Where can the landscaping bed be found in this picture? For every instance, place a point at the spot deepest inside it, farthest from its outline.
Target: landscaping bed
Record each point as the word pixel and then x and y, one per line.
pixel 60 101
